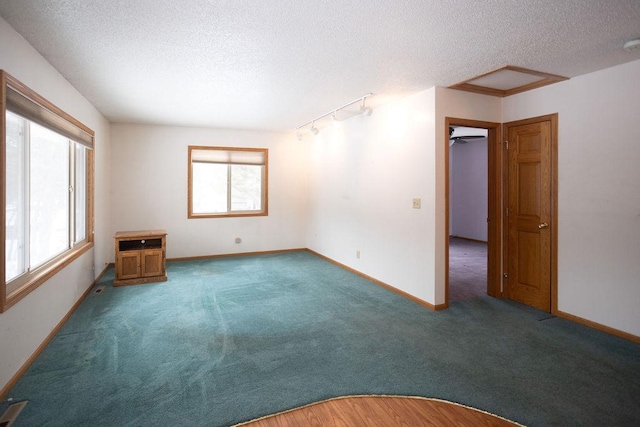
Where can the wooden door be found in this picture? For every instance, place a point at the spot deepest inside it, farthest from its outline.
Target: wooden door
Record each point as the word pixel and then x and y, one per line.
pixel 530 220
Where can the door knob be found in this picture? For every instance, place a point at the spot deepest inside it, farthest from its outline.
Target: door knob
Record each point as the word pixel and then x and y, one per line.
pixel 543 225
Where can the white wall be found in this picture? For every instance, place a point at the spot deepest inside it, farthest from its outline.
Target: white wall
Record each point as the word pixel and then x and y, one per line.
pixel 468 177
pixel 149 190
pixel 362 179
pixel 25 325
pixel 598 191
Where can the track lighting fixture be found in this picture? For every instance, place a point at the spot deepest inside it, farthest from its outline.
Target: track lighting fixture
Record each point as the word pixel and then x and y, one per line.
pixel 335 121
pixel 364 110
pixel 314 130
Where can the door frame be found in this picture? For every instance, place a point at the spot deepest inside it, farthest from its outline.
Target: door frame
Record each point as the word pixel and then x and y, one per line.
pixel 553 229
pixel 495 200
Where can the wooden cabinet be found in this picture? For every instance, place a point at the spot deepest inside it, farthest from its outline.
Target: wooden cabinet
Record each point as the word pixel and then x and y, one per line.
pixel 140 257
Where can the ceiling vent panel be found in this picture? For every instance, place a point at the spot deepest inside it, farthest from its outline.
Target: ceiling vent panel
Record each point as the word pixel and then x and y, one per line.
pixel 507 81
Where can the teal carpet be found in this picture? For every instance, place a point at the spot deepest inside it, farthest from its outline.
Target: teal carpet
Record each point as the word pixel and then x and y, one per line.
pixel 232 339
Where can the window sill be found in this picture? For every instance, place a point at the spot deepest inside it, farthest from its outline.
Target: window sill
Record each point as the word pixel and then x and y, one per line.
pixel 227 215
pixel 47 272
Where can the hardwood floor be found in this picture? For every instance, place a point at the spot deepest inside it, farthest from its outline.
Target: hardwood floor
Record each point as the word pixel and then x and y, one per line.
pixel 381 411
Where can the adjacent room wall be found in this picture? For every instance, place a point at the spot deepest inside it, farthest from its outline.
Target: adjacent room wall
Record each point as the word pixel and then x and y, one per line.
pixel 598 191
pixel 24 326
pixel 468 177
pixel 149 190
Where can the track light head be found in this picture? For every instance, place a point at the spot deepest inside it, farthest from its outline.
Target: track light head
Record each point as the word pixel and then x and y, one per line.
pixel 367 111
pixel 364 110
pixel 334 120
pixel 314 130
pixel 298 135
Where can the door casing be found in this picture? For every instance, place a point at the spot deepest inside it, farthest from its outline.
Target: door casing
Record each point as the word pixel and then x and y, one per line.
pixel 494 248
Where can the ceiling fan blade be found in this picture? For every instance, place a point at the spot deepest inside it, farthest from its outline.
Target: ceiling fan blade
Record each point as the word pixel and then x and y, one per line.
pixel 458 140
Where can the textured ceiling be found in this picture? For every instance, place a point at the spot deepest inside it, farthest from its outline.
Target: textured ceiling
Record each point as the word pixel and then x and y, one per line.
pixel 277 64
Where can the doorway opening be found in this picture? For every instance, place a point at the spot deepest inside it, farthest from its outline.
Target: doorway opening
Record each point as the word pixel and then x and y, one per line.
pixel 468 198
pixel 473 220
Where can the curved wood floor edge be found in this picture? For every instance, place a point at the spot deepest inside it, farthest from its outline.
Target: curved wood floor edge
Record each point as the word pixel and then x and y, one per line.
pixel 381 410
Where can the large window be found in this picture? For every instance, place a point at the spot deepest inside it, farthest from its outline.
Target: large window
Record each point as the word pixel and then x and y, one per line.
pixel 47 159
pixel 227 182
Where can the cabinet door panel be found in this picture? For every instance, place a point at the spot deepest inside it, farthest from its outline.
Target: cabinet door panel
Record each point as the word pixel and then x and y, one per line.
pixel 152 263
pixel 128 265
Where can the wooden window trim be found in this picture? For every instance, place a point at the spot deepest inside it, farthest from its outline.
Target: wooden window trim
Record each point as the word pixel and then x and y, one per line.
pixel 265 185
pixel 52 267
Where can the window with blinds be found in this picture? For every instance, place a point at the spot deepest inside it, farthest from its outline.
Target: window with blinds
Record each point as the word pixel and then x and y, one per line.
pixel 226 182
pixel 47 194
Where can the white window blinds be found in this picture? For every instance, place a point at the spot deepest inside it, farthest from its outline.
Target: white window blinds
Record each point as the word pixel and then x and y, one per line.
pixel 235 156
pixel 31 110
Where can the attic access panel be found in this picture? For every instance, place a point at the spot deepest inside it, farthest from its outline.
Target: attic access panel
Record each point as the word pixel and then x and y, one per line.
pixel 507 81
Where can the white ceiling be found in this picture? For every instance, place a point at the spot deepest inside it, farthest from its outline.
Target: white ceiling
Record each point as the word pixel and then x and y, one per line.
pixel 277 64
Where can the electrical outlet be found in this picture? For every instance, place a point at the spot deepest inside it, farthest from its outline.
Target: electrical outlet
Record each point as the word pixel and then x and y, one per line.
pixel 358 254
pixel 416 203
